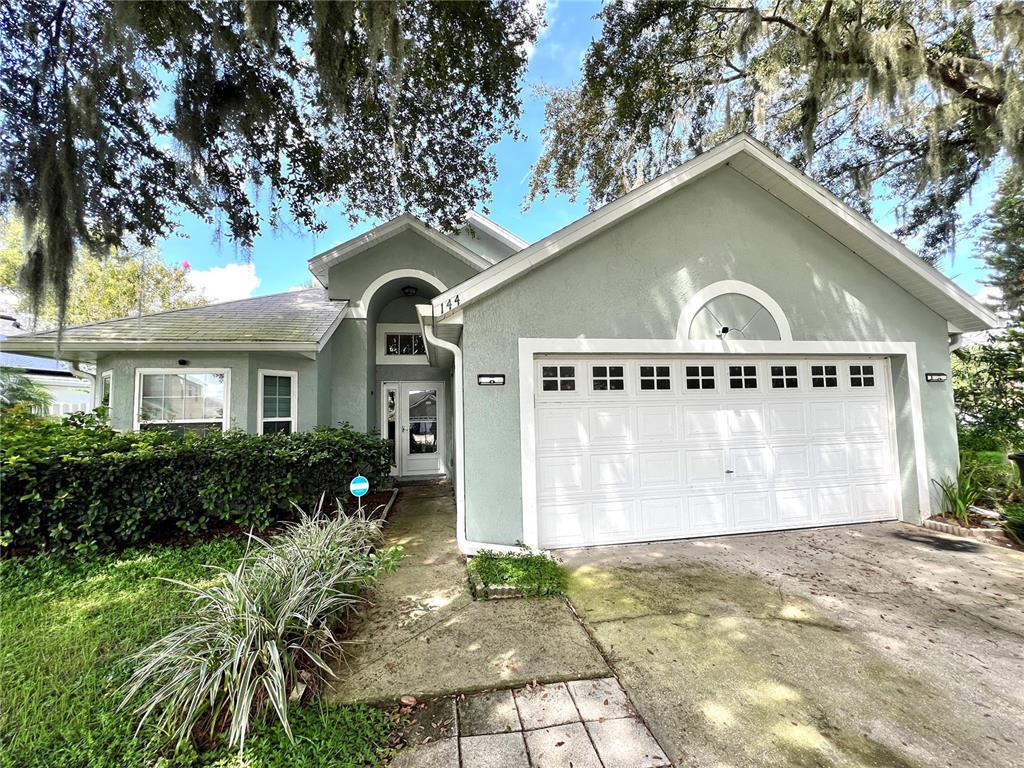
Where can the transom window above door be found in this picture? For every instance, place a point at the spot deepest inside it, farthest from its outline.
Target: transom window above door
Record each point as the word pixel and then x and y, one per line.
pixel 655 378
pixel 608 378
pixel 400 344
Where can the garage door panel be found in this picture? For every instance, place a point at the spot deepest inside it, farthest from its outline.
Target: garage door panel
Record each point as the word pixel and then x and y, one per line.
pixel 702 423
pixel 834 503
pixel 561 428
pixel 656 423
pixel 660 469
pixel 646 464
pixel 791 462
pixel 795 506
pixel 786 420
pixel 827 418
pixel 752 510
pixel 559 475
pixel 708 512
pixel 611 472
pixel 750 464
pixel 745 423
pixel 610 424
pixel 661 517
pixel 564 524
pixel 868 417
pixel 830 460
pixel 704 467
pixel 614 520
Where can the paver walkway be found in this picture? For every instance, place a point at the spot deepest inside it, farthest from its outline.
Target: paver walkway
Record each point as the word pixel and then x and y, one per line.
pixel 425 635
pixel 579 724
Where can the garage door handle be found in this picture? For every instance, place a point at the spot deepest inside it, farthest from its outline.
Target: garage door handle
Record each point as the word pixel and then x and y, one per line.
pixel 729 471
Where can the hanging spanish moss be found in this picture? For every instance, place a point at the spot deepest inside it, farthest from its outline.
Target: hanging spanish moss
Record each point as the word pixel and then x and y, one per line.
pixel 914 102
pixel 115 117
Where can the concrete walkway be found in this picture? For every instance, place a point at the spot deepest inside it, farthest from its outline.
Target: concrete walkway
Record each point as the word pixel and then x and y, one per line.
pixel 870 645
pixel 425 636
pixel 580 724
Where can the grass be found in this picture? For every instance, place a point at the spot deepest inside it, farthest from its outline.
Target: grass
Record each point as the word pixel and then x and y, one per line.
pixel 67 630
pixel 534 575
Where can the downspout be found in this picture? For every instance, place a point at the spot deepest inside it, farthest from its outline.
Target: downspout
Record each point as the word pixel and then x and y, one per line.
pixel 78 373
pixel 956 340
pixel 466 546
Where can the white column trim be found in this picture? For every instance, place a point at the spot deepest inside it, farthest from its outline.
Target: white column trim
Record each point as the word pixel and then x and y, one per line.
pixel 722 287
pixel 529 348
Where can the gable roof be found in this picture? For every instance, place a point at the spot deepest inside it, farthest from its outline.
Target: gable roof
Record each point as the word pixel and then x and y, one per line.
pixel 321 264
pixel 296 320
pixel 495 230
pixel 780 179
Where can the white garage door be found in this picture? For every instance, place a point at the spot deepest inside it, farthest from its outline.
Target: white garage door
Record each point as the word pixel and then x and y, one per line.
pixel 664 448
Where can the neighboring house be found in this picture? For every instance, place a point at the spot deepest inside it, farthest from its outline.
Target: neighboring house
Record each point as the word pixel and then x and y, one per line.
pixel 725 349
pixel 70 393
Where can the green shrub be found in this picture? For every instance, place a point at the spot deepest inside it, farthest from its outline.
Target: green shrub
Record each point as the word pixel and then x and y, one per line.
pixel 532 574
pixel 78 485
pixel 1013 521
pixel 996 477
pixel 958 494
pixel 262 635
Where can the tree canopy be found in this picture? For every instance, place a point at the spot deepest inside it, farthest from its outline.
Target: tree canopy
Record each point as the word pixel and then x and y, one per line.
pixel 128 281
pixel 1003 243
pixel 914 101
pixel 117 116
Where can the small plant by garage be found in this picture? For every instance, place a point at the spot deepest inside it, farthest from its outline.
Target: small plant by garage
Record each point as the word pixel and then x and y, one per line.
pixel 521 574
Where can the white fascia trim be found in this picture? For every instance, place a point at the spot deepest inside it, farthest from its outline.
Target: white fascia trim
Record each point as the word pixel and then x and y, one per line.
pixel 357 310
pixel 722 287
pixel 331 329
pixel 319 265
pixel 558 242
pixel 495 230
pixel 466 546
pixel 134 345
pixel 530 348
pixel 140 372
pixel 294 405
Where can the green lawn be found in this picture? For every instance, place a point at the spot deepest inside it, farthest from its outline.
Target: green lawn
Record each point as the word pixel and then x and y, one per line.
pixel 66 631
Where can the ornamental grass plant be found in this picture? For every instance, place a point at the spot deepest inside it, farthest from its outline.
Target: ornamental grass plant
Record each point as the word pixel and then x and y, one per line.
pixel 260 636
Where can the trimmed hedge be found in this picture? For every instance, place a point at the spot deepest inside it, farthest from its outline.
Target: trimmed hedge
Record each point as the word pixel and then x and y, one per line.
pixel 79 486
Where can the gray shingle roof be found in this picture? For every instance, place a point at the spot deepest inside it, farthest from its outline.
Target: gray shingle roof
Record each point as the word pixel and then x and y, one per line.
pixel 296 316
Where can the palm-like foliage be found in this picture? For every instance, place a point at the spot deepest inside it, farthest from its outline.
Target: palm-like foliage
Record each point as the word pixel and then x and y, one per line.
pixel 18 389
pixel 260 635
pixel 958 494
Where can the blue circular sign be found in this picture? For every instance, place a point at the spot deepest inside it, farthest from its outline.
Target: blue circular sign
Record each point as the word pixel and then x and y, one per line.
pixel 359 486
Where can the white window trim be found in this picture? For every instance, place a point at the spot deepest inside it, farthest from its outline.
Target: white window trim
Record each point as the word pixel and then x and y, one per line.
pixel 294 405
pixel 697 302
pixel 108 376
pixel 530 348
pixel 140 372
pixel 383 329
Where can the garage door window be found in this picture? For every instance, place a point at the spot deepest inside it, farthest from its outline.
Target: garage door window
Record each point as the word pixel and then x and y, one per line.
pixel 700 377
pixel 608 378
pixel 558 378
pixel 742 377
pixel 862 376
pixel 655 378
pixel 824 377
pixel 784 377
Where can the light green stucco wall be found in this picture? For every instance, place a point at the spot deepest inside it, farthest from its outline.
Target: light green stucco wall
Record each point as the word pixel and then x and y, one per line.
pixel 633 280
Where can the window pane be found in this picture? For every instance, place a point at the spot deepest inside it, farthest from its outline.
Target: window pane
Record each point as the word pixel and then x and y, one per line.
pixel 273 427
pixel 646 370
pixel 417 345
pixel 646 383
pixel 174 396
pixel 567 370
pixel 391 344
pixel 405 344
pixel 664 384
pixel 567 385
pixel 549 371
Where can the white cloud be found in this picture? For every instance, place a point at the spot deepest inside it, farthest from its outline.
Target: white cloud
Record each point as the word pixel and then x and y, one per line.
pixel 227 283
pixel 541 10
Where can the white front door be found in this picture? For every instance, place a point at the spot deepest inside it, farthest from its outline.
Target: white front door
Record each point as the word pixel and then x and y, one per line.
pixel 413 416
pixel 673 447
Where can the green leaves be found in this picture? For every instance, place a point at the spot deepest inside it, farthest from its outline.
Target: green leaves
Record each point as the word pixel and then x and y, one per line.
pixel 82 487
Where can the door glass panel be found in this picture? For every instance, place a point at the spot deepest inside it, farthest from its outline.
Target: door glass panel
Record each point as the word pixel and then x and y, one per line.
pixel 422 421
pixel 392 423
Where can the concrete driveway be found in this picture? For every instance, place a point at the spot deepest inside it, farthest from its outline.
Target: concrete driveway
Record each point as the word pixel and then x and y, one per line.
pixel 868 645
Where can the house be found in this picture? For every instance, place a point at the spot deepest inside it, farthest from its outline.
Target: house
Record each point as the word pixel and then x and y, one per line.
pixel 726 349
pixel 70 389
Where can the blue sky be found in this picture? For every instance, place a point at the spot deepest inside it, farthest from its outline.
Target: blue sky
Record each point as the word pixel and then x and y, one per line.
pixel 278 259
